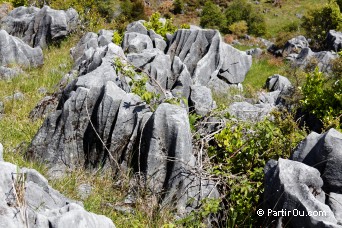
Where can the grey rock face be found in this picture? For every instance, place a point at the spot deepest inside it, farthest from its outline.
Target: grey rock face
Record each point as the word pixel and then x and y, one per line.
pixel 207 58
pixel 46 206
pixel 9 73
pixel 201 100
pixel 134 42
pixel 335 203
pixel 321 59
pixel 324 153
pixel 167 159
pixel 15 51
pixel 40 27
pixel 255 52
pixel 334 40
pixel 296 187
pixel 278 83
pixel 246 111
pixel 84 190
pixel 295 45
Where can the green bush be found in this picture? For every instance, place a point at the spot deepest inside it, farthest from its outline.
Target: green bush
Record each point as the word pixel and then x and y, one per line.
pixel 317 23
pixel 322 96
pixel 159 27
pixel 178 6
pixel 212 17
pixel 239 28
pixel 240 153
pixel 242 10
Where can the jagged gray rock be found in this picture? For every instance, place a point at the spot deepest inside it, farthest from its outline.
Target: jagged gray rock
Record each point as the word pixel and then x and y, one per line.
pixel 246 111
pixel 167 159
pixel 335 203
pixel 207 58
pixel 334 40
pixel 295 187
pixel 9 73
pixel 323 151
pixel 40 27
pixel 255 52
pixel 277 82
pixel 45 208
pixel 201 100
pixel 322 59
pixel 15 51
pixel 134 42
pixel 295 45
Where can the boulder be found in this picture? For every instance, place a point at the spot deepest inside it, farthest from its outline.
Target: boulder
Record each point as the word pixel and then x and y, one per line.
pixel 277 82
pixel 41 205
pixel 323 151
pixel 15 51
pixel 308 58
pixel 249 112
pixel 201 100
pixel 295 45
pixel 255 52
pixel 40 27
pixel 167 160
pixel 134 42
pixel 207 58
pixel 334 40
pixel 292 191
pixel 9 73
pixel 137 26
pixel 335 203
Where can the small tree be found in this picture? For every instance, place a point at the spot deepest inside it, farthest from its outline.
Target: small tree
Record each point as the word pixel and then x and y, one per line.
pixel 178 6
pixel 239 28
pixel 319 21
pixel 240 10
pixel 212 17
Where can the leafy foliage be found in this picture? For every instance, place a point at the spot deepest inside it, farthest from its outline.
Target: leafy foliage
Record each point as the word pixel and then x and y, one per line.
pixel 239 28
pixel 178 6
pixel 138 80
pixel 322 96
pixel 242 10
pixel 158 26
pixel 212 16
pixel 240 153
pixel 319 21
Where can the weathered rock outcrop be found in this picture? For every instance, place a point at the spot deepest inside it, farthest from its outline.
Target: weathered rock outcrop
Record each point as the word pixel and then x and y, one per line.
pixel 295 189
pixel 168 161
pixel 39 205
pixel 323 151
pixel 40 27
pixel 295 45
pixel 302 184
pixel 309 58
pixel 99 123
pixel 334 40
pixel 15 51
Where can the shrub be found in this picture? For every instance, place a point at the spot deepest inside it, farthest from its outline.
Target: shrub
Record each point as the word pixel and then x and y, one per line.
pixel 322 96
pixel 242 10
pixel 317 23
pixel 239 28
pixel 212 17
pixel 240 153
pixel 178 6
pixel 158 26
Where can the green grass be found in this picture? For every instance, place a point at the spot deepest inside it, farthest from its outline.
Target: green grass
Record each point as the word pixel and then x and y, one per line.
pixel 261 69
pixel 17 129
pixel 278 17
